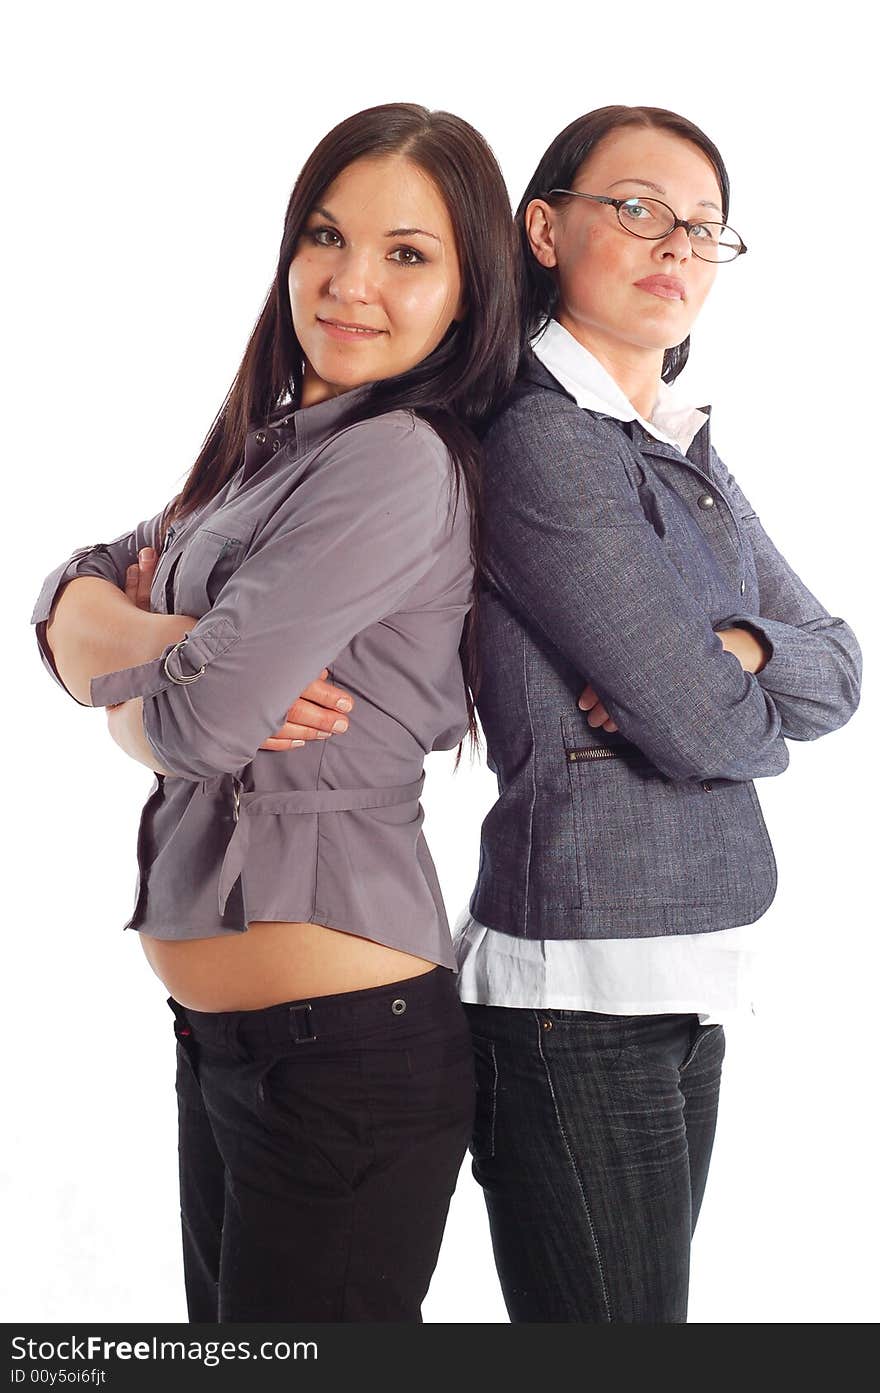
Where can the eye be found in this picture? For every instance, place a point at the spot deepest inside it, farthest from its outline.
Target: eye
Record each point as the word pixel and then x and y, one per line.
pixel 706 231
pixel 406 256
pixel 636 211
pixel 324 236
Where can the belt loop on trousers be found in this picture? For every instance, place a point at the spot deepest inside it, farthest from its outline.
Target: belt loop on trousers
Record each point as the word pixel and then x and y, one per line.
pixel 181 1024
pixel 300 1024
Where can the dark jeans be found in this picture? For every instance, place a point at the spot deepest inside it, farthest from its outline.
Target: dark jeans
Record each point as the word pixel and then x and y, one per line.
pixel 592 1143
pixel 319 1148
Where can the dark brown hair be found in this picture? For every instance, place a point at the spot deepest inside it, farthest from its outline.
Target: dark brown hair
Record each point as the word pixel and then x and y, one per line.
pixel 557 169
pixel 457 386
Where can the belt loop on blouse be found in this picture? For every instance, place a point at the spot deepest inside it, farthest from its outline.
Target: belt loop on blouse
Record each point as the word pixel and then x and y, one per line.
pixel 298 801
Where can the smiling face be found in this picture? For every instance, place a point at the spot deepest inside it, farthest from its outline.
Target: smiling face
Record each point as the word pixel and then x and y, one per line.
pixel 611 299
pixel 375 280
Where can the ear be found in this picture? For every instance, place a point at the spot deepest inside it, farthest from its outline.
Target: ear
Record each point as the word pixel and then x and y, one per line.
pixel 540 229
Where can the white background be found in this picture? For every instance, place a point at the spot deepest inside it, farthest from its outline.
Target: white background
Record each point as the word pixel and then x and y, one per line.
pixel 151 154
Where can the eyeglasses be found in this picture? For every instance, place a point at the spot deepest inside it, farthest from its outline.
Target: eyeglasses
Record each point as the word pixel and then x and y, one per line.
pixel 648 217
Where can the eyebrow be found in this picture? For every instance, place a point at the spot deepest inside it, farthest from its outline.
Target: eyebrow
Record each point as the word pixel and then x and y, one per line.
pixel 703 203
pixel 394 231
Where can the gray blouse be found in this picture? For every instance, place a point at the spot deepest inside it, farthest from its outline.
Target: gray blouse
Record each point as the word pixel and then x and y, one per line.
pixel 338 548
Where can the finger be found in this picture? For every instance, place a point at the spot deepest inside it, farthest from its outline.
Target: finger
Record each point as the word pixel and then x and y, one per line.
pixel 274 744
pixel 318 718
pixel 294 730
pixel 131 582
pixel 610 724
pixel 598 715
pixel 587 698
pixel 146 571
pixel 327 695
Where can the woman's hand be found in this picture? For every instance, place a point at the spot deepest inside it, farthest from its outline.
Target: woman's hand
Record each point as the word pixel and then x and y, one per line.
pixel 745 645
pixel 589 701
pixel 313 716
pixel 139 578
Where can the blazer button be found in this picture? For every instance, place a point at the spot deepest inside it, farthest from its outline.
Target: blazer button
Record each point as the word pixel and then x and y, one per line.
pixel 260 437
pixel 706 500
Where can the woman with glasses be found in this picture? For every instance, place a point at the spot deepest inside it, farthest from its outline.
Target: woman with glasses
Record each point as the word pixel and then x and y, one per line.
pixel 646 652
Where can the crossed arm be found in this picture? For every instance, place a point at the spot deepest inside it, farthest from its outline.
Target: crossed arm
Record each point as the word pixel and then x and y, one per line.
pixel 95 628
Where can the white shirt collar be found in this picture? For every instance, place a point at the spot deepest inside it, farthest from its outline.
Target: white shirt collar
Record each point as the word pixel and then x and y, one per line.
pixel 593 388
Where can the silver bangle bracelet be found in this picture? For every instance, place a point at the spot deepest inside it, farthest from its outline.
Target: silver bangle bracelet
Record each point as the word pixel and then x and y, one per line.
pixel 181 680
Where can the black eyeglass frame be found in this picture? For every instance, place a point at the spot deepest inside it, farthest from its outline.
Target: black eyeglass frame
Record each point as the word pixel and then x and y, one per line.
pixel 618 203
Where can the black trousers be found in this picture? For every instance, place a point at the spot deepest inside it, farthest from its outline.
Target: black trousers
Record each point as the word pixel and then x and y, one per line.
pixel 319 1147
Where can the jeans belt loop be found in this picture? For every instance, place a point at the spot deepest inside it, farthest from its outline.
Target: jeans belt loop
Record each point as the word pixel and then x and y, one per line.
pixel 300 1024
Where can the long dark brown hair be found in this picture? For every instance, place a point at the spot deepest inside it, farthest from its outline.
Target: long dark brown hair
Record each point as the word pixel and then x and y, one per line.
pixel 558 168
pixel 458 385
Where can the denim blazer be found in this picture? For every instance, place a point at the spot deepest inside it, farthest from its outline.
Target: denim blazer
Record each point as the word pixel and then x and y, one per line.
pixel 611 557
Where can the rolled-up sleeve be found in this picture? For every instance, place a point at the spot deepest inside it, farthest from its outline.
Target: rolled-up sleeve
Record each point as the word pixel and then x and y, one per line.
pixel 569 546
pixel 358 530
pixel 814 671
pixel 107 561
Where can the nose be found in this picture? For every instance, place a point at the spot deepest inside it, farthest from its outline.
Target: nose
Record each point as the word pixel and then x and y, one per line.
pixel 677 245
pixel 353 280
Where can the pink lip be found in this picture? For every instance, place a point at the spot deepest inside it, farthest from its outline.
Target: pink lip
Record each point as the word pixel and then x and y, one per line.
pixel 667 287
pixel 342 329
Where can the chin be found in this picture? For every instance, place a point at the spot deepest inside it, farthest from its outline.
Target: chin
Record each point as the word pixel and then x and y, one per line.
pixel 660 342
pixel 342 378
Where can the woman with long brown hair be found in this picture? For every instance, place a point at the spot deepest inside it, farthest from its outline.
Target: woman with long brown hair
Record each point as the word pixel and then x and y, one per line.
pixel 288 901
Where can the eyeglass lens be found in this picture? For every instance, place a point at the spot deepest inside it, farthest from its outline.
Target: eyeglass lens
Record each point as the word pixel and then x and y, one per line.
pixel 648 217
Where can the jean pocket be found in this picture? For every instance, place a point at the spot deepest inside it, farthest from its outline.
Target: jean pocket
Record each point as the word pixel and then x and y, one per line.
pixel 600 1018
pixel 486 1072
pixel 313 1112
pixel 715 1032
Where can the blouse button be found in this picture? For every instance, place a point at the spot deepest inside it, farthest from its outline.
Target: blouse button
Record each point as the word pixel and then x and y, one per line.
pixel 706 500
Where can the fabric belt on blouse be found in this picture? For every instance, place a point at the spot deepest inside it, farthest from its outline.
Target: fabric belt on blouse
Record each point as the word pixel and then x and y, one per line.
pixel 321 800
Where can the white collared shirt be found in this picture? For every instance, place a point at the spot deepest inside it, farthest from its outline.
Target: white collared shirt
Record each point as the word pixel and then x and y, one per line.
pixel 707 973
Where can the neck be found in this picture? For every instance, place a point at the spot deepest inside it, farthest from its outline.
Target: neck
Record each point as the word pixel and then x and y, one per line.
pixel 636 370
pixel 315 389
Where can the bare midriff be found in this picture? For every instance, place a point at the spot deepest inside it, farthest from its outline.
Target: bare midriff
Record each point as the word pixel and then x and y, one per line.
pixel 274 961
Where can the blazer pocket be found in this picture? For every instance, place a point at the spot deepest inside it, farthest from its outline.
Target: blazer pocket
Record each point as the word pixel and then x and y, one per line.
pixel 645 840
pixel 206 564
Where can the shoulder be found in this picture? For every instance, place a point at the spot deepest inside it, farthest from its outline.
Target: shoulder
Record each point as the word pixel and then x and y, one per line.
pixel 394 450
pixel 396 459
pixel 538 403
pixel 399 433
pixel 539 430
